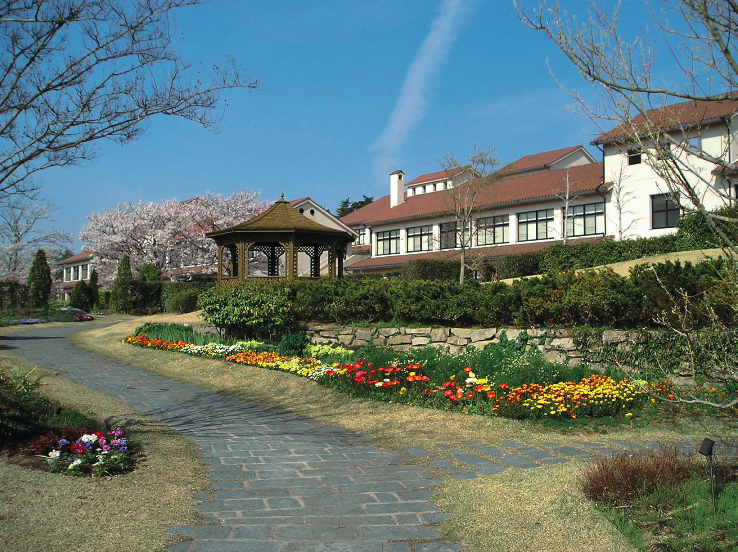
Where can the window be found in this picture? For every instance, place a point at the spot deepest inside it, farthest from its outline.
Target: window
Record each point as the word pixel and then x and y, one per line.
pixel 535 225
pixel 451 235
pixel 388 243
pixel 68 274
pixel 664 212
pixel 695 143
pixel 586 220
pixel 361 240
pixel 493 230
pixel 75 272
pixel 634 156
pixel 419 238
pixel 84 272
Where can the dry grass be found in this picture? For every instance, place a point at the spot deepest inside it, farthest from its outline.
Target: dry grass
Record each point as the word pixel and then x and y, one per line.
pixel 540 509
pixel 43 511
pixel 623 268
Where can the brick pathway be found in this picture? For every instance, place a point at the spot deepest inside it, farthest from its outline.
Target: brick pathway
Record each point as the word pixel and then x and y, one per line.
pixel 281 483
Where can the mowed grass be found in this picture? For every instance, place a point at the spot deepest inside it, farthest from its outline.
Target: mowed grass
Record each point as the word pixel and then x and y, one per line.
pixel 541 509
pixel 44 511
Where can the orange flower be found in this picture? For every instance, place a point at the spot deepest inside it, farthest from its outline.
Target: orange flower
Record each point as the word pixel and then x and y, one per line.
pixel 467 369
pixel 713 390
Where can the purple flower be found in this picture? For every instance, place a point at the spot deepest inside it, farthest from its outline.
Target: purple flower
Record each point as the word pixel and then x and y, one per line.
pixel 101 441
pixel 106 447
pixel 63 442
pixel 123 449
pixel 117 432
pixel 115 442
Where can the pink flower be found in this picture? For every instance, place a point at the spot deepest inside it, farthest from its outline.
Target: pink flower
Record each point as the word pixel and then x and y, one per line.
pixel 106 447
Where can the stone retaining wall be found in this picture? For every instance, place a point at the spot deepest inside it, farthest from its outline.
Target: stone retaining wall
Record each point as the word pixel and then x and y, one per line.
pixel 557 346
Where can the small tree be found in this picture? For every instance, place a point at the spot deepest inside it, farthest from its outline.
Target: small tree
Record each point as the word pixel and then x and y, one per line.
pixel 94 291
pixel 463 198
pixel 147 287
pixel 120 295
pixel 39 281
pixel 80 298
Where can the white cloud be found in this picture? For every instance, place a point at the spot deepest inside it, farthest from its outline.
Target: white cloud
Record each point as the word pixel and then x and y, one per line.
pixel 412 103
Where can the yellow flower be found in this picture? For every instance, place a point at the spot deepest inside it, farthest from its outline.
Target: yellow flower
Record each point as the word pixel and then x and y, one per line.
pixel 629 415
pixel 403 391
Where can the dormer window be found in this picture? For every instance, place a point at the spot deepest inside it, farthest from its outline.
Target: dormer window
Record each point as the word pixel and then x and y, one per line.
pixel 634 156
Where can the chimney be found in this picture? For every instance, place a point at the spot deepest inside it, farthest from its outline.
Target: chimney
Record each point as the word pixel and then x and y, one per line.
pixel 397 188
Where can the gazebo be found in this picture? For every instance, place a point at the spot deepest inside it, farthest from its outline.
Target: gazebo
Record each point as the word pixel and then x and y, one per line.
pixel 280 230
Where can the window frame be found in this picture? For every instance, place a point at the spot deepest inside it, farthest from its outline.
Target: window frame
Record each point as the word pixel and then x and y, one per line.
pixel 547 219
pixel 422 236
pixel 571 218
pixel 635 156
pixel 499 222
pixel 669 208
pixel 389 238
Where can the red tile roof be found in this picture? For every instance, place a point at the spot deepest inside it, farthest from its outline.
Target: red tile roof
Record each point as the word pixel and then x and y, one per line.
pixel 494 252
pixel 509 190
pixel 84 256
pixel 436 176
pixel 538 160
pixel 673 116
pixel 298 201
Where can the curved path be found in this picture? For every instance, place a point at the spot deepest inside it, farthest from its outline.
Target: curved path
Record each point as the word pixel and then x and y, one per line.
pixel 279 483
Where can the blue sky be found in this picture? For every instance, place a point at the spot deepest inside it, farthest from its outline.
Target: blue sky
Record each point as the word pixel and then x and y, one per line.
pixel 351 92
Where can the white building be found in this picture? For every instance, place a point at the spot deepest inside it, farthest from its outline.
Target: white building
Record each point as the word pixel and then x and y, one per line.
pixel 528 207
pixel 75 268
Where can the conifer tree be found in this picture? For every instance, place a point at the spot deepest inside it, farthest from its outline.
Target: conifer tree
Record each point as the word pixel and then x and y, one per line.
pixel 80 298
pixel 39 282
pixel 120 295
pixel 93 289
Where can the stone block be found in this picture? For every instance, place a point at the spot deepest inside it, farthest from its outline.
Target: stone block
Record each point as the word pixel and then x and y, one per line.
pixel 400 340
pixel 417 331
pixel 613 336
pixel 483 334
pixel 321 340
pixel 461 332
pixel 359 343
pixel 347 331
pixel 556 356
pixel 401 348
pixel 345 339
pixel 456 349
pixel 512 334
pixel 536 332
pixel 386 332
pixel 439 334
pixel 379 341
pixel 563 344
pixel 420 341
pixel 364 334
pixel 482 344
pixel 329 333
pixel 458 341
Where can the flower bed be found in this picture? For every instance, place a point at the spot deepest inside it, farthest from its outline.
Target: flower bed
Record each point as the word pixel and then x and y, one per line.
pixel 93 454
pixel 593 396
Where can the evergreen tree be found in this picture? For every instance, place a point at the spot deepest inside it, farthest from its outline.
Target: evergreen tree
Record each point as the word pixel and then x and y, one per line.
pixel 120 295
pixel 80 298
pixel 39 282
pixel 347 206
pixel 93 289
pixel 147 287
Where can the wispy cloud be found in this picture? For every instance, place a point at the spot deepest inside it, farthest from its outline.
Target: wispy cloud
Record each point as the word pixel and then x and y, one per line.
pixel 412 103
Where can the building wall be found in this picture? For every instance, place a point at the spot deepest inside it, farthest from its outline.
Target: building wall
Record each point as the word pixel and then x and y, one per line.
pixel 639 182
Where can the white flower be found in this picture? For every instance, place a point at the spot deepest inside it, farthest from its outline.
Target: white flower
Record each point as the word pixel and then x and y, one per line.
pixel 54 454
pixel 89 438
pixel 76 462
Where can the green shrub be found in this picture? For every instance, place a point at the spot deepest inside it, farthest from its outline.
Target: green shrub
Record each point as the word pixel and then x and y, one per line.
pixel 39 282
pixel 292 344
pixel 103 301
pixel 251 310
pixel 695 232
pixel 120 295
pixel 58 304
pixel 81 297
pixel 183 301
pixel 432 269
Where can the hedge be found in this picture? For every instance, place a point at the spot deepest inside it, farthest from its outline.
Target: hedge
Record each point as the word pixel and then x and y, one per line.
pixel 595 298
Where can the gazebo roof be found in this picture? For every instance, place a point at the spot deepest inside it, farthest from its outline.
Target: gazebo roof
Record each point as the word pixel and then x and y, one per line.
pixel 280 217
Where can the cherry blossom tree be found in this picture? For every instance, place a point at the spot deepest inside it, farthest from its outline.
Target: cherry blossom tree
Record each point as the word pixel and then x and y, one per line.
pixel 169 234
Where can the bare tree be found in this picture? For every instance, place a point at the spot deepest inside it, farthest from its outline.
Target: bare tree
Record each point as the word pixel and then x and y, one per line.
pixel 663 124
pixel 698 36
pixel 567 198
pixel 73 72
pixel 23 230
pixel 462 199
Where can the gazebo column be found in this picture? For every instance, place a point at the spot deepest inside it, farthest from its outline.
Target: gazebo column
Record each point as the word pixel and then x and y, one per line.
pixel 246 248
pixel 272 262
pixel 290 252
pixel 315 262
pixel 332 262
pixel 339 255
